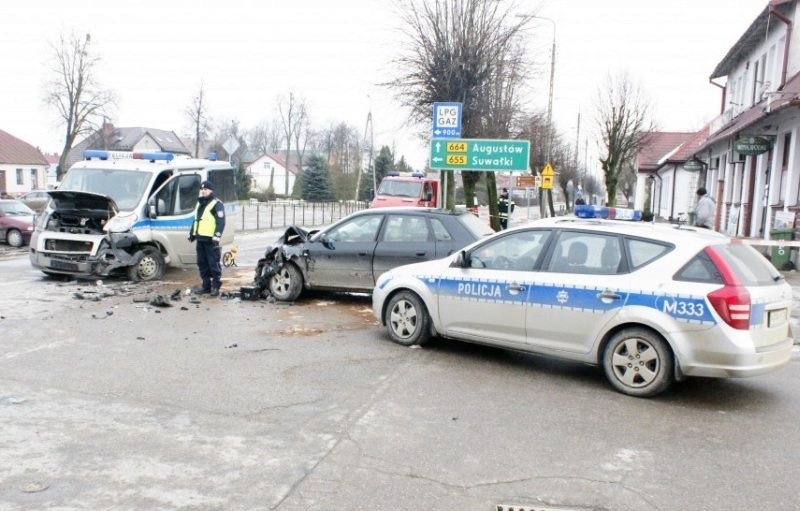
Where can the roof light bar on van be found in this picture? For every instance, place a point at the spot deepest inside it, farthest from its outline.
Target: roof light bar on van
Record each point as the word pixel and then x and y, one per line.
pixel 119 155
pixel 589 211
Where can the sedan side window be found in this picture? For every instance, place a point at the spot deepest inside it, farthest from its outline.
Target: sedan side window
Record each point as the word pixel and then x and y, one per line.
pixel 440 231
pixel 359 229
pixel 406 229
pixel 517 251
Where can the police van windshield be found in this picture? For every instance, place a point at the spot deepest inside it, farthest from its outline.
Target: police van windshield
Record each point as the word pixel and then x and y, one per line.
pixel 400 188
pixel 125 187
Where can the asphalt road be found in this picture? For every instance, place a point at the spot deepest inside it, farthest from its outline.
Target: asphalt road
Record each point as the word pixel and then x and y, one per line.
pixel 109 402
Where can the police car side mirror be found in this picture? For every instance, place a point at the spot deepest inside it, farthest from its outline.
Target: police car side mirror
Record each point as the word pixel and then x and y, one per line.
pixel 460 260
pixel 151 209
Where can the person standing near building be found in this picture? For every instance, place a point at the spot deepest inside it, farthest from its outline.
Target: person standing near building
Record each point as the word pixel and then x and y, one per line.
pixel 209 222
pixel 506 207
pixel 704 210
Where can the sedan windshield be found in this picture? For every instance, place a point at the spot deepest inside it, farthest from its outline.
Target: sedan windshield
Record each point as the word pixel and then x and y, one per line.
pixel 125 187
pixel 15 209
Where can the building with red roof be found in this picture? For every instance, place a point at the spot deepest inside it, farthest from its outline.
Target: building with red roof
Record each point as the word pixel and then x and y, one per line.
pixel 22 166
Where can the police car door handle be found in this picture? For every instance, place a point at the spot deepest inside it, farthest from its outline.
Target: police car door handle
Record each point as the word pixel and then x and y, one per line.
pixel 608 295
pixel 515 288
pixel 420 254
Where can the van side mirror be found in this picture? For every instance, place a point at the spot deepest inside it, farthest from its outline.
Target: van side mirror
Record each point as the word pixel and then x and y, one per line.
pixel 428 196
pixel 151 208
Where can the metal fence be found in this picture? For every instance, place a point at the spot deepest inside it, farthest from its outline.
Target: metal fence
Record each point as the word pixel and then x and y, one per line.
pixel 254 216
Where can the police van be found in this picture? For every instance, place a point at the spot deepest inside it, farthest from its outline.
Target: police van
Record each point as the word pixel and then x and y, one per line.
pixel 127 214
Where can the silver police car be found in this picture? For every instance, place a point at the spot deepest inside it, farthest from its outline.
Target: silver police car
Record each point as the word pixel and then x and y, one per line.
pixel 649 303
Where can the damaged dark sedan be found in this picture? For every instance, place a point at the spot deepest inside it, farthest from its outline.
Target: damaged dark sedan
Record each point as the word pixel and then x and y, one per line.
pixel 351 254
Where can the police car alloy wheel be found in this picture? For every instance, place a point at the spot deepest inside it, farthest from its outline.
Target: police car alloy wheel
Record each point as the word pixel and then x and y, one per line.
pixel 286 284
pixel 407 319
pixel 638 362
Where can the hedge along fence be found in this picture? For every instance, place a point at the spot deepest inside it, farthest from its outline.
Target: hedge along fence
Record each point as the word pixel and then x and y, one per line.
pixel 254 216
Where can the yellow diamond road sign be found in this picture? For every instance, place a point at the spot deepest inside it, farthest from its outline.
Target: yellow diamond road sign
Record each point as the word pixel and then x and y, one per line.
pixel 547 176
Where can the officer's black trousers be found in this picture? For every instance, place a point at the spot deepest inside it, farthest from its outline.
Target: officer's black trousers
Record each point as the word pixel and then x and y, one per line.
pixel 208 256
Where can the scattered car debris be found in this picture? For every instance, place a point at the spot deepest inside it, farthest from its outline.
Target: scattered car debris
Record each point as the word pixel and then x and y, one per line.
pixel 234 345
pixel 34 487
pixel 160 301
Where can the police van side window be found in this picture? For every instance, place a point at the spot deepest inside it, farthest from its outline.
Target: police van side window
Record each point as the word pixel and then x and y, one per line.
pixel 188 191
pixel 224 184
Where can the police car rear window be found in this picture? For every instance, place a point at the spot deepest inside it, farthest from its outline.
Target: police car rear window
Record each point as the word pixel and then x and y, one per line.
pixel 700 269
pixel 750 266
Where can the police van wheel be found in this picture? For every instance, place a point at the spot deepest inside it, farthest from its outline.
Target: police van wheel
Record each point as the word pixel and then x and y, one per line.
pixel 638 362
pixel 407 319
pixel 286 284
pixel 149 267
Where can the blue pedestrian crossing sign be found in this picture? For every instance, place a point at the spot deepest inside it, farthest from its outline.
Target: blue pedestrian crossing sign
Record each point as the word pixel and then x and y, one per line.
pixel 447 120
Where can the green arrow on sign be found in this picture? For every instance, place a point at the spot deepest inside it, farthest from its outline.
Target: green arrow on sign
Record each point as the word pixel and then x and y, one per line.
pixel 485 155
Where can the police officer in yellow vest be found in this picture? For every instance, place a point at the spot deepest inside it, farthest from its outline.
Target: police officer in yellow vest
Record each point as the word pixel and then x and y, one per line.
pixel 209 222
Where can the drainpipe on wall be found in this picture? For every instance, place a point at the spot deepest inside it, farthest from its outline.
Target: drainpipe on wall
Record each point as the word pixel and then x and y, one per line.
pixel 674 186
pixel 788 22
pixel 724 93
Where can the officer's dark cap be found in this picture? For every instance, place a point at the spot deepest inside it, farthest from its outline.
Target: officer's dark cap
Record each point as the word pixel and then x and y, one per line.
pixel 207 184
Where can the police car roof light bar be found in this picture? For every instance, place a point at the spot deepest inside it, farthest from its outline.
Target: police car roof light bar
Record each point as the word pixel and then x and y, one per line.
pixel 589 211
pixel 117 155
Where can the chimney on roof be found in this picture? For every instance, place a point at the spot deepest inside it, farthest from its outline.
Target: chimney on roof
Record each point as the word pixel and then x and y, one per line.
pixel 108 129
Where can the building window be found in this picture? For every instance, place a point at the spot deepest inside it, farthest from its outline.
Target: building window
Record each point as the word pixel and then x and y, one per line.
pixel 20 177
pixel 34 179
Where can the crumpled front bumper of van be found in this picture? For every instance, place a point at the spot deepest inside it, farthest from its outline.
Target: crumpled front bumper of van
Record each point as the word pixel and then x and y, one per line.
pixel 89 256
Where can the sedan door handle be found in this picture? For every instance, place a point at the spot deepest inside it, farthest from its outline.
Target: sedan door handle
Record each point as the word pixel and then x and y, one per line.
pixel 608 295
pixel 421 254
pixel 362 254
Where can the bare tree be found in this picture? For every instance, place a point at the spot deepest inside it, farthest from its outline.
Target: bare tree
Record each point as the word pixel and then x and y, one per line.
pixel 266 137
pixel 466 51
pixel 294 118
pixel 74 91
pixel 623 119
pixel 197 113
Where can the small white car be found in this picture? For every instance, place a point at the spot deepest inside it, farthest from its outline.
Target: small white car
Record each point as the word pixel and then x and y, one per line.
pixel 650 303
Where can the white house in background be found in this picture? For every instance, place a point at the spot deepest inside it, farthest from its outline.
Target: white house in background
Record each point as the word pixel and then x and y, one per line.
pixel 273 164
pixel 22 166
pixel 666 167
pixel 751 152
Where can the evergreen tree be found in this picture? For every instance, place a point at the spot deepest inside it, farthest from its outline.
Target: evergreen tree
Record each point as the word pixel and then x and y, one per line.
pixel 243 182
pixel 383 164
pixel 316 180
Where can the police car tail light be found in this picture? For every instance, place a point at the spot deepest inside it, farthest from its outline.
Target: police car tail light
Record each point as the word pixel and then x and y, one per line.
pixel 732 302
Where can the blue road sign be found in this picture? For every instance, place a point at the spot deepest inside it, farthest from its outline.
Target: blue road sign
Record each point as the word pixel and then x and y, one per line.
pixel 447 120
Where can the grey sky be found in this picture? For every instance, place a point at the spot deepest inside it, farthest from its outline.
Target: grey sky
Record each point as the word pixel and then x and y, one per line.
pixel 334 54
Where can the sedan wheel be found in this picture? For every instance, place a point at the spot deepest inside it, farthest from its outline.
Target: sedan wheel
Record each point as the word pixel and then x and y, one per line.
pixel 14 238
pixel 407 319
pixel 638 362
pixel 286 284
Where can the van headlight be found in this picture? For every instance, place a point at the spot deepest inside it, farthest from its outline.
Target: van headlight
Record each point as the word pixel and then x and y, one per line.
pixel 121 223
